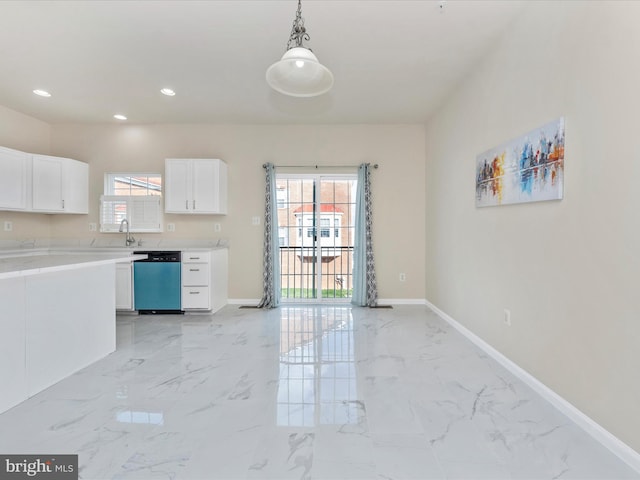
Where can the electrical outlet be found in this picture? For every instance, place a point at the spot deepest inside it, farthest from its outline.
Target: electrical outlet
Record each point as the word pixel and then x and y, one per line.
pixel 8 226
pixel 93 226
pixel 171 227
pixel 217 227
pixel 507 317
pixel 255 221
pixel 403 277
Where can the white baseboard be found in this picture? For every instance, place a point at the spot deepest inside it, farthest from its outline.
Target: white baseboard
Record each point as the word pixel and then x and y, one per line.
pixel 381 301
pixel 401 301
pixel 243 301
pixel 607 439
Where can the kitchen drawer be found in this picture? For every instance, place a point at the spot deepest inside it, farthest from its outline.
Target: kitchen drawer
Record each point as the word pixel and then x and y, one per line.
pixel 196 274
pixel 196 257
pixel 195 298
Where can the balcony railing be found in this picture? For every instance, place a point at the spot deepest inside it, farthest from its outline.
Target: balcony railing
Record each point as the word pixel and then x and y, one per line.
pixel 299 273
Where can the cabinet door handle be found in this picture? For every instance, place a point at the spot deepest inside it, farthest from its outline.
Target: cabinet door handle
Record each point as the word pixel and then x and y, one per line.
pixel 62 203
pixel 186 204
pixel 194 269
pixel 194 293
pixel 194 204
pixel 194 258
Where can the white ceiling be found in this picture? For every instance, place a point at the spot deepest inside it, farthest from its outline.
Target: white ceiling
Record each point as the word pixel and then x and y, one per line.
pixel 393 61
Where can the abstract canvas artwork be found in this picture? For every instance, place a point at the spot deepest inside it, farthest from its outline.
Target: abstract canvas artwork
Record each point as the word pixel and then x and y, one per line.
pixel 529 168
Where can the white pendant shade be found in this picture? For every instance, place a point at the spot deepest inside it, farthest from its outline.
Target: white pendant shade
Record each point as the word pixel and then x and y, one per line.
pixel 299 74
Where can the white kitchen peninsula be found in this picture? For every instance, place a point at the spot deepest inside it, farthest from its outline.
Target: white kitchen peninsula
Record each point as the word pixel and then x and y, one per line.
pixel 57 317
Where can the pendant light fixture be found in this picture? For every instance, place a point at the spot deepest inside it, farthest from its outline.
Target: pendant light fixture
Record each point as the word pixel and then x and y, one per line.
pixel 298 73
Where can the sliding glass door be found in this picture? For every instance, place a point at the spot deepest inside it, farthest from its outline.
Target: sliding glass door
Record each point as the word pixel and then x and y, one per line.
pixel 316 225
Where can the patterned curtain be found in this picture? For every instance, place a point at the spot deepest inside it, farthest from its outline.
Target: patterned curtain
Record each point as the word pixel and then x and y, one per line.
pixel 365 287
pixel 271 276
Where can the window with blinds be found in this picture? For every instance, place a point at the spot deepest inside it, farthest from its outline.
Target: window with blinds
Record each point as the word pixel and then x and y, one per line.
pixel 144 213
pixel 135 197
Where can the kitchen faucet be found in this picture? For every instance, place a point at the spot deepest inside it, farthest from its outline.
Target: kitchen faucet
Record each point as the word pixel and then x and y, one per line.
pixel 129 240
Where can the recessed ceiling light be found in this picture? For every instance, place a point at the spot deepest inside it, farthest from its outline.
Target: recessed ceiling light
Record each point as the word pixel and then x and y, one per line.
pixel 42 93
pixel 168 92
pixel 119 116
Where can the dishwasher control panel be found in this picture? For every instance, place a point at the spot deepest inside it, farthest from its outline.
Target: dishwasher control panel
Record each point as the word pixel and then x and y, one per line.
pixel 159 256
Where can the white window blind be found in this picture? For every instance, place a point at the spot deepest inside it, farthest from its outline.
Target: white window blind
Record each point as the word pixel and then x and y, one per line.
pixel 144 213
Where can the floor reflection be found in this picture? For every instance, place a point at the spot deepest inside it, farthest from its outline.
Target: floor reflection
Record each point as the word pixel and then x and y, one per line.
pixel 135 416
pixel 317 367
pixel 150 418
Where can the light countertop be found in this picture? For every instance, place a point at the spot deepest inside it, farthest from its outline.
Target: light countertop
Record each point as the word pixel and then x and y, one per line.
pixel 17 266
pixel 31 257
pixel 32 247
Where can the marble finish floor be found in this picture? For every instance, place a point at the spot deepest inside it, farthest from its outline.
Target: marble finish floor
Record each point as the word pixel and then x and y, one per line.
pixel 305 392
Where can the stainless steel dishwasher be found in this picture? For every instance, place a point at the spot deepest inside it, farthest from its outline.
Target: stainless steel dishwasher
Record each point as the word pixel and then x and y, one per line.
pixel 156 282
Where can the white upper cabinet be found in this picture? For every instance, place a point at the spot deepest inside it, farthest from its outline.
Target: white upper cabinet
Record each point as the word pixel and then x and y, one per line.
pixel 13 179
pixel 47 184
pixel 177 186
pixel 195 186
pixel 59 185
pixel 75 186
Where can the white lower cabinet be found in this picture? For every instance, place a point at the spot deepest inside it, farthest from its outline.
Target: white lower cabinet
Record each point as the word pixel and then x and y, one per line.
pixel 46 333
pixel 204 280
pixel 124 286
pixel 13 369
pixel 196 280
pixel 195 298
pixel 219 278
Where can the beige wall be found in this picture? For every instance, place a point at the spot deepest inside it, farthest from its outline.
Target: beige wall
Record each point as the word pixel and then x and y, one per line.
pixel 398 185
pixel 568 270
pixel 21 132
pixel 24 133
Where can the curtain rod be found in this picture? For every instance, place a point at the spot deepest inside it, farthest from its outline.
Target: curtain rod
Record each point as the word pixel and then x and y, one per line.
pixel 264 165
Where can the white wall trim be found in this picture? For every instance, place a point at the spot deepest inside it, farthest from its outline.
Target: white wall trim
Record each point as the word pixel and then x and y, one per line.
pixel 401 301
pixel 381 301
pixel 607 439
pixel 243 301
